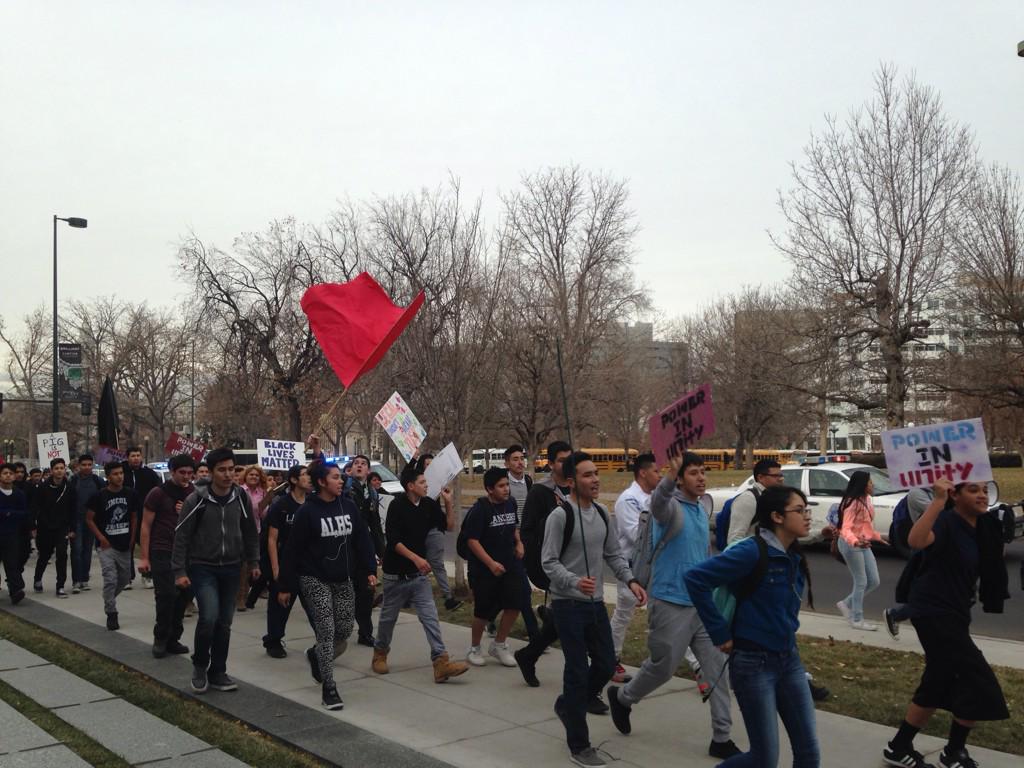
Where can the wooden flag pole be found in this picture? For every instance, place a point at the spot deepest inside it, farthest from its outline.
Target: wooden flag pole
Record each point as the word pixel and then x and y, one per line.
pixel 325 419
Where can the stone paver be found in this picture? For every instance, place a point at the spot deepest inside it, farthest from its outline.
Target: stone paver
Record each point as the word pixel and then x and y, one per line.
pixel 15 657
pixel 52 687
pixel 211 758
pixel 18 733
pixel 57 756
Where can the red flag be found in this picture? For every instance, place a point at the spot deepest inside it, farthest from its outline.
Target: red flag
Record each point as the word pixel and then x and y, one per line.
pixel 355 323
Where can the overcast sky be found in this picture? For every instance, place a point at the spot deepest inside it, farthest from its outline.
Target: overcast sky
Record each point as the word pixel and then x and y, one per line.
pixel 156 119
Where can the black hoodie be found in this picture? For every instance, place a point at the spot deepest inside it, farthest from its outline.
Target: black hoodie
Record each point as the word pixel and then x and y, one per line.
pixel 329 541
pixel 53 507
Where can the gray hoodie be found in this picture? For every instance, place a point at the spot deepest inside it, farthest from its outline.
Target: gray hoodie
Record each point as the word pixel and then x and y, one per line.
pixel 566 570
pixel 209 533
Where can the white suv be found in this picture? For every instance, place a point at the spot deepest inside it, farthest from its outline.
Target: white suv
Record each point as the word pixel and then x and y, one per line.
pixel 824 485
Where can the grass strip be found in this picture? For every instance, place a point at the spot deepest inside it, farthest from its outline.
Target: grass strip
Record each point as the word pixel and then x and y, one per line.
pixel 78 742
pixel 234 737
pixel 867 683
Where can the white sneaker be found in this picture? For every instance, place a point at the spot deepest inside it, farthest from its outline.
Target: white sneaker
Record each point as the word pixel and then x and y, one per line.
pixel 147 583
pixel 844 609
pixel 866 626
pixel 476 658
pixel 501 652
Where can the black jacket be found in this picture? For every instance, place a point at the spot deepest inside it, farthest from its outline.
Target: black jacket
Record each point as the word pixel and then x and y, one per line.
pixel 993 581
pixel 53 508
pixel 330 541
pixel 141 480
pixel 368 503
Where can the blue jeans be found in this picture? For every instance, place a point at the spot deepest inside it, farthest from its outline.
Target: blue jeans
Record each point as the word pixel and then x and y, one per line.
pixel 766 684
pixel 215 587
pixel 81 551
pixel 584 630
pixel 864 569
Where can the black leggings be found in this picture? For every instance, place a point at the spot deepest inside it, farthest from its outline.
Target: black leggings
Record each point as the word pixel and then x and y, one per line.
pixel 52 542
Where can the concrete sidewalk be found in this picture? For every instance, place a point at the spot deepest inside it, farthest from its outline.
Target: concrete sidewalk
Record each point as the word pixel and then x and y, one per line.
pixel 487 717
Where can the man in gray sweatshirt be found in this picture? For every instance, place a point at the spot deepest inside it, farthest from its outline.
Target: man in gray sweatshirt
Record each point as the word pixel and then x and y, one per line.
pixel 578 543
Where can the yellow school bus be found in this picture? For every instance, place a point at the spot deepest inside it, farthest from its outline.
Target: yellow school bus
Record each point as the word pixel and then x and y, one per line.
pixel 606 459
pixel 725 458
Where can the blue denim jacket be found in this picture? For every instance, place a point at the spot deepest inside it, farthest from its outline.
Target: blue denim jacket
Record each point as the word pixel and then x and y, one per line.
pixel 770 616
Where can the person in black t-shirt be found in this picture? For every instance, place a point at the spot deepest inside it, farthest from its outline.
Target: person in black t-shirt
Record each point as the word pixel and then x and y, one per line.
pixel 960 544
pixel 495 574
pixel 411 516
pixel 113 517
pixel 278 526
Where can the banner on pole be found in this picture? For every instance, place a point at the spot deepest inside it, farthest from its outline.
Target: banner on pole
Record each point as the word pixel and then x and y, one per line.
pixel 402 426
pixel 280 454
pixel 918 456
pixel 687 420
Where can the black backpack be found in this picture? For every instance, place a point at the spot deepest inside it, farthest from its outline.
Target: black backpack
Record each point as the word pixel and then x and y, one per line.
pixel 532 534
pixel 462 542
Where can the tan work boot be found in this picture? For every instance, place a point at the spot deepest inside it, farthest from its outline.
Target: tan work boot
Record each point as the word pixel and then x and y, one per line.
pixel 445 668
pixel 380 661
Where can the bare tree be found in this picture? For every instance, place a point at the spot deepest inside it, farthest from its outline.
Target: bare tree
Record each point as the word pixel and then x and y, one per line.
pixel 872 216
pixel 29 368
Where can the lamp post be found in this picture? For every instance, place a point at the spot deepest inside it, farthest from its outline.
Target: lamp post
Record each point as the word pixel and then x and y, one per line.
pixel 77 224
pixel 833 430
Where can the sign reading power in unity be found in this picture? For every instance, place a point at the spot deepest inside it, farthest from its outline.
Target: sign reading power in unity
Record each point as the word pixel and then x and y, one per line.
pixel 918 456
pixel 680 425
pixel 280 454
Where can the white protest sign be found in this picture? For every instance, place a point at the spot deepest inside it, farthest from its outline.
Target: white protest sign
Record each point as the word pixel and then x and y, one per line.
pixel 280 454
pixel 444 468
pixel 53 445
pixel 402 426
pixel 918 456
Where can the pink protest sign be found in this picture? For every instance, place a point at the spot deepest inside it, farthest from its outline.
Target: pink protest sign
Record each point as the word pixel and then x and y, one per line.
pixel 680 425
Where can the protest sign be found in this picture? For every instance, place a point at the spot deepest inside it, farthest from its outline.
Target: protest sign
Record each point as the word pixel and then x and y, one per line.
pixel 53 445
pixel 402 426
pixel 442 470
pixel 918 456
pixel 180 444
pixel 280 454
pixel 687 420
pixel 105 453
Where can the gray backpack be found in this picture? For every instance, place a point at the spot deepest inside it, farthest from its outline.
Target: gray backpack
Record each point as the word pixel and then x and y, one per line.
pixel 646 553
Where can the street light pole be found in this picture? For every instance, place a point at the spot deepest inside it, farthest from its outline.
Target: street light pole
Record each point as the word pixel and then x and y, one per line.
pixel 77 223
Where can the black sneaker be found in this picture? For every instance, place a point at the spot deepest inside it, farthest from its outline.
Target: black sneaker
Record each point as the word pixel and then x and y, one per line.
pixel 527 667
pixel 451 604
pixel 37 586
pixel 159 650
pixel 620 712
pixel 891 624
pixel 366 640
pixel 588 758
pixel 331 699
pixel 906 758
pixel 818 692
pixel 596 705
pixel 959 759
pixel 723 749
pixel 61 593
pixel 199 682
pixel 492 629
pixel 221 682
pixel 176 648
pixel 314 665
pixel 112 621
pixel 17 597
pixel 276 651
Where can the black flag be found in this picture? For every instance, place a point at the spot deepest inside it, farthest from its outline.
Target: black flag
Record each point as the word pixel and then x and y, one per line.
pixel 108 425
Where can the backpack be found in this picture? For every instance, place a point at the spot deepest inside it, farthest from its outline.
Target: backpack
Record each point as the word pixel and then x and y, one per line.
pixel 899 528
pixel 727 597
pixel 722 520
pixel 646 552
pixel 833 545
pixel 462 542
pixel 532 534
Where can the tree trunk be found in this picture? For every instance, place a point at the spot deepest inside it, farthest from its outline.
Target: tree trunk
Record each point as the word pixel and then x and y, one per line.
pixel 823 425
pixel 294 413
pixel 892 355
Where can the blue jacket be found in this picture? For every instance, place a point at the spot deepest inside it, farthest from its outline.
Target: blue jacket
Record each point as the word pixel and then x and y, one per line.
pixel 686 523
pixel 770 616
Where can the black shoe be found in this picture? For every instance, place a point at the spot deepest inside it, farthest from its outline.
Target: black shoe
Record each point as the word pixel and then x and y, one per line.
pixel 331 699
pixel 250 604
pixel 891 624
pixel 276 651
pixel 723 749
pixel 366 640
pixel 314 665
pixel 904 757
pixel 377 600
pixel 492 629
pixel 818 692
pixel 596 705
pixel 37 586
pixel 451 604
pixel 528 668
pixel 176 647
pixel 199 682
pixel 159 650
pixel 221 682
pixel 620 712
pixel 958 759
pixel 17 597
pixel 112 621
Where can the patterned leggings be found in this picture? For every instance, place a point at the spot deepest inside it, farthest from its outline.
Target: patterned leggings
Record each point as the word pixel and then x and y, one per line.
pixel 332 607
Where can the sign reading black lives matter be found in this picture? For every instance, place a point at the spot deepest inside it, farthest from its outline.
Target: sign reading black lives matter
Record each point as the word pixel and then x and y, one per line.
pixel 70 373
pixel 280 454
